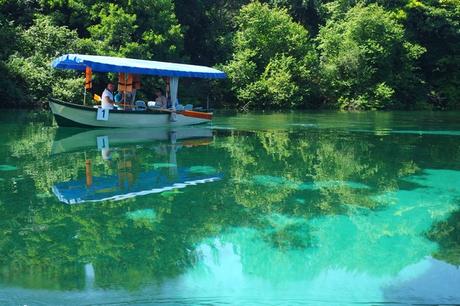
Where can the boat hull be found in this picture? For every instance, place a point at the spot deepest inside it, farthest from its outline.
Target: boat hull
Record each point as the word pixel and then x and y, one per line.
pixel 68 114
pixel 87 138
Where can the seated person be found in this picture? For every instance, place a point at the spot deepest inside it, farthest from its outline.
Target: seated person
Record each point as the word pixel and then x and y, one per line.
pixel 129 97
pixel 160 98
pixel 118 98
pixel 107 97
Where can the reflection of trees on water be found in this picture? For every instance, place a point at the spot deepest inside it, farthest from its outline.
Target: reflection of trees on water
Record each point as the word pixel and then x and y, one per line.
pixel 331 160
pixel 295 175
pixel 447 235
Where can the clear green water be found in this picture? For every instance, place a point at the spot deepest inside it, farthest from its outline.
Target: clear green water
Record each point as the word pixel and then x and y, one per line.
pixel 277 209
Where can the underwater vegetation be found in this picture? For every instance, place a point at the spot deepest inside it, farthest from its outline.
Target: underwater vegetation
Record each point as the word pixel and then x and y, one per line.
pixel 203 169
pixel 274 181
pixel 8 168
pixel 142 214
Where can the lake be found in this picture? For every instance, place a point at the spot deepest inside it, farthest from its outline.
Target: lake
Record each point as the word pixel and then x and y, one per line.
pixel 256 209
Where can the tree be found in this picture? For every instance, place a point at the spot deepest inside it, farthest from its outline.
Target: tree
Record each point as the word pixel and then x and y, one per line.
pixel 114 34
pixel 273 58
pixel 307 12
pixel 140 29
pixel 30 67
pixel 436 26
pixel 21 12
pixel 214 21
pixel 367 61
pixel 161 33
pixel 447 234
pixel 8 90
pixel 374 54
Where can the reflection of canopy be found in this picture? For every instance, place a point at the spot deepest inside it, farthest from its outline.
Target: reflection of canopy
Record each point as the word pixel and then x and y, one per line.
pixel 135 66
pixel 109 187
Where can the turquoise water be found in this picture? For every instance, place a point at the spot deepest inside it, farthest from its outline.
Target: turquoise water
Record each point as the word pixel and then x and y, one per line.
pixel 256 209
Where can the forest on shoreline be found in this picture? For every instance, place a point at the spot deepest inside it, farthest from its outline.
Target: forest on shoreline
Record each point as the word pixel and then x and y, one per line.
pixel 334 54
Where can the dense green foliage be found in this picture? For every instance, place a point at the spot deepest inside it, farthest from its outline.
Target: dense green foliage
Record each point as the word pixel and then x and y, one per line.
pixel 40 43
pixel 366 61
pixel 273 58
pixel 278 53
pixel 447 233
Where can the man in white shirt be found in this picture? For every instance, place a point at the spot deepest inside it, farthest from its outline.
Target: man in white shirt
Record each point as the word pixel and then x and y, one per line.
pixel 107 97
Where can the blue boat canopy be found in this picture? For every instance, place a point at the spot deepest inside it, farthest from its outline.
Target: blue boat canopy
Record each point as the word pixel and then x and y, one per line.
pixel 134 66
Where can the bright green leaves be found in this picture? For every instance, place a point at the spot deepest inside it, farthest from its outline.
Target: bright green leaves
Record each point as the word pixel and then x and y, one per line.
pixel 270 65
pixel 114 32
pixel 158 34
pixel 146 29
pixel 366 60
pixel 31 66
pixel 269 32
pixel 140 29
pixel 349 54
pixel 280 84
pixel 45 39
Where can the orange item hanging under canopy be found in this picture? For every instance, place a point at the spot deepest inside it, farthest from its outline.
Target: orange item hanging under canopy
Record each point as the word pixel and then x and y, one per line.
pixel 121 82
pixel 129 83
pixel 88 78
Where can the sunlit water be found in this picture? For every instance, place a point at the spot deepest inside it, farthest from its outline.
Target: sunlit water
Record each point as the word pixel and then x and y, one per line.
pixel 277 209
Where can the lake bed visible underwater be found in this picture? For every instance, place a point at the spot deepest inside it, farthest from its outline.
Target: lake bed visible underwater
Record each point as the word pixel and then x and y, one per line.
pixel 290 208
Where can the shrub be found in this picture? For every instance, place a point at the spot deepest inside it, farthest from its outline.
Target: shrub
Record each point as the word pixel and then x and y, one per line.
pixel 273 59
pixel 366 61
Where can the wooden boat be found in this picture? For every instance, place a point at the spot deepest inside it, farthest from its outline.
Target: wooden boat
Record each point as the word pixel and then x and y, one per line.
pixel 129 70
pixel 70 114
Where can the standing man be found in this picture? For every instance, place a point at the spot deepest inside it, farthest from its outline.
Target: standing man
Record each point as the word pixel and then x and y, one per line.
pixel 107 97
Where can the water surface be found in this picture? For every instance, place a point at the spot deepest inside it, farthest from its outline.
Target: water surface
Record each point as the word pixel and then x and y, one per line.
pixel 276 208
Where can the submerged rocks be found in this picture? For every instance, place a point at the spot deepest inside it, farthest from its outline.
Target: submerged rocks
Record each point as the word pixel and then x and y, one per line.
pixel 147 214
pixel 282 182
pixel 202 169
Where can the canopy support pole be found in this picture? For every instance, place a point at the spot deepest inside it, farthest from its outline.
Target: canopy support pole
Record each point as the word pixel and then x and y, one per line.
pixel 174 87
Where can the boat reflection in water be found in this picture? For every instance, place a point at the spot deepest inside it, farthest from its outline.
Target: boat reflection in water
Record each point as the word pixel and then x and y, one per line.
pixel 122 155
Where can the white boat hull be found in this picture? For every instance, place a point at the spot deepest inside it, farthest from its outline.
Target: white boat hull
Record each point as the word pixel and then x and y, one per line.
pixel 68 114
pixel 87 139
